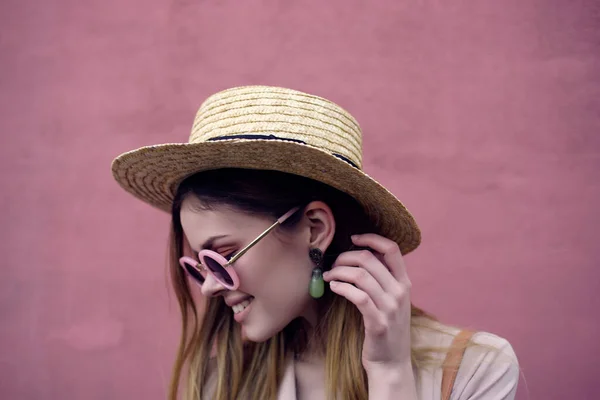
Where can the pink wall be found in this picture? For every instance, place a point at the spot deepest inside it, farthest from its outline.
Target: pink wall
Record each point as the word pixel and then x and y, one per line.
pixel 482 116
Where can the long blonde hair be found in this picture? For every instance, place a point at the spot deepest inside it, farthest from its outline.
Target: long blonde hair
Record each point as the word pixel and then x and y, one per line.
pixel 255 370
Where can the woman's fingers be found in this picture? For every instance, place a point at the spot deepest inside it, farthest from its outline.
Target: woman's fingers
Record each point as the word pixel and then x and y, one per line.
pixel 365 259
pixel 372 317
pixel 363 280
pixel 388 250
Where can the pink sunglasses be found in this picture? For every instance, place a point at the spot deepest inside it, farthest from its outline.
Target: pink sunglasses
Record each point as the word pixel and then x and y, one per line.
pixel 218 266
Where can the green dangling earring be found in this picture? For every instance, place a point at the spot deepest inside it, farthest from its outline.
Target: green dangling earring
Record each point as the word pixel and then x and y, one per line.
pixel 317 285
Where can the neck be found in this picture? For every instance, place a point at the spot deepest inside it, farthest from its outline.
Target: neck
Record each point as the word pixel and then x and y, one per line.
pixel 310 346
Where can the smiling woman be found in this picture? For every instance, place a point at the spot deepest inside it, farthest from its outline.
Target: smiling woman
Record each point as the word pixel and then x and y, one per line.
pixel 299 256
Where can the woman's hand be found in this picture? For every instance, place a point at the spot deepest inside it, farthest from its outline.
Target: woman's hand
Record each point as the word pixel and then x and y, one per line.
pixel 377 283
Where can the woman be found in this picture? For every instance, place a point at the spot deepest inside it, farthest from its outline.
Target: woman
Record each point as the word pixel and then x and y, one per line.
pixel 297 257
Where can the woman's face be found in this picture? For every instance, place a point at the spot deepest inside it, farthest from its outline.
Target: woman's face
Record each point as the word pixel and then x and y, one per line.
pixel 274 274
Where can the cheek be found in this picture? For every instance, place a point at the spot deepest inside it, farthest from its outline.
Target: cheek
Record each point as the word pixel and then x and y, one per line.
pixel 286 284
pixel 273 261
pixel 280 275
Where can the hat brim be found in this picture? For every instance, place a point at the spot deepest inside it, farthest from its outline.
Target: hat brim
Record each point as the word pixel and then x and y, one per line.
pixel 153 173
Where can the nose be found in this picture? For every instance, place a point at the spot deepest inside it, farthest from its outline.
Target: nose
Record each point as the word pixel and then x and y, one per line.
pixel 211 287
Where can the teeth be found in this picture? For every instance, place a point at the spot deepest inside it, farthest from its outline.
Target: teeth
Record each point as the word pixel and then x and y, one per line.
pixel 241 306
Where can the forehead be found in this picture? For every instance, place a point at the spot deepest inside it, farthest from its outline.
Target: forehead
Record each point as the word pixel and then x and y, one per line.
pixel 199 225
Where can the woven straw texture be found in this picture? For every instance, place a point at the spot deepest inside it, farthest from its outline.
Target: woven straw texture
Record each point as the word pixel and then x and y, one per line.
pixel 260 127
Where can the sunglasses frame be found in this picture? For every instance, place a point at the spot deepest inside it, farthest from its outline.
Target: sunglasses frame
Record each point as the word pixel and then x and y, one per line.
pixel 200 266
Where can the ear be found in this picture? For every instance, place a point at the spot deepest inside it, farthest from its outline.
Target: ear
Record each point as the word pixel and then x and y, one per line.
pixel 321 224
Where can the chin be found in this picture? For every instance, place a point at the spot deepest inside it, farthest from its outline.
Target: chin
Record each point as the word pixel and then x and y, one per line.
pixel 256 336
pixel 259 333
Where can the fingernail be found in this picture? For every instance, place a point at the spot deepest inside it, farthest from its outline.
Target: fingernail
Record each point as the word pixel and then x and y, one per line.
pixel 325 274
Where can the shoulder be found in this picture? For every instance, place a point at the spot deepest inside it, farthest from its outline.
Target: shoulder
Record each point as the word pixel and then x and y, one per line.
pixel 489 368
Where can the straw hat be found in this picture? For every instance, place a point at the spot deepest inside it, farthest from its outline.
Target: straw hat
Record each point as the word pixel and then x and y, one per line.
pixel 260 127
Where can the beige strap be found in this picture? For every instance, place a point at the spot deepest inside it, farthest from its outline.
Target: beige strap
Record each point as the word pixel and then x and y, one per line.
pixel 452 362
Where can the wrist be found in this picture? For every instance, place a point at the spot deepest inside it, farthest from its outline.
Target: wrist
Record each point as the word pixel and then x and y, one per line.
pixel 391 382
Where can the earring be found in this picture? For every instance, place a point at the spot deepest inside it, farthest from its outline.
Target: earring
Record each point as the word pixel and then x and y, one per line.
pixel 317 285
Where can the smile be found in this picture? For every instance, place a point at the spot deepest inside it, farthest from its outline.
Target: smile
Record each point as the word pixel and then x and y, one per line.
pixel 238 308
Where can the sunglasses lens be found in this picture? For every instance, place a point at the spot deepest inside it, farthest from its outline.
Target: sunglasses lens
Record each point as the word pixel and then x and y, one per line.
pixel 218 270
pixel 193 272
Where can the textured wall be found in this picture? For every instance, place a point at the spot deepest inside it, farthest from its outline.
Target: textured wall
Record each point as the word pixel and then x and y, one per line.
pixel 482 116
